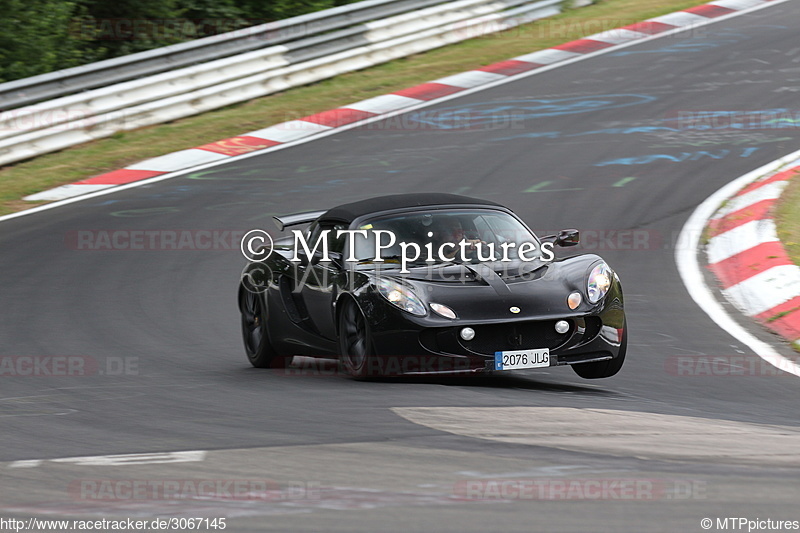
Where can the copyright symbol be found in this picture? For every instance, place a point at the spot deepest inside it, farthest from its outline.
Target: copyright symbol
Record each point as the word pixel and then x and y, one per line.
pixel 256 245
pixel 256 278
pixel 706 523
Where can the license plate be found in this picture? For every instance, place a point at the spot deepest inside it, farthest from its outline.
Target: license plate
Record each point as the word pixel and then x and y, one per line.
pixel 516 359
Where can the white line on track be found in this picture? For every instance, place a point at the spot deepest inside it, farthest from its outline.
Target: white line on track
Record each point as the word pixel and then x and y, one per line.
pixel 120 460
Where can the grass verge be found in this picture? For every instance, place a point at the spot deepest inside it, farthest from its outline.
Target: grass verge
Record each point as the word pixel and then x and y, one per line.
pixel 788 219
pixel 105 155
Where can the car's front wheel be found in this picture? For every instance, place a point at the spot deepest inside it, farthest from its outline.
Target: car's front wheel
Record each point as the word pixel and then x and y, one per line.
pixel 356 352
pixel 255 332
pixel 605 369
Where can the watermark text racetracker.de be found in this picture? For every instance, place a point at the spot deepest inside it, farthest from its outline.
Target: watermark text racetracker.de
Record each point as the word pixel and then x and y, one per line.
pixel 39 118
pixel 633 489
pixel 67 366
pixel 728 365
pixel 131 490
pixel 111 524
pixel 383 365
pixel 153 240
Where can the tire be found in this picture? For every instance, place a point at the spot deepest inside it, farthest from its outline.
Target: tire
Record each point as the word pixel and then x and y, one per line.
pixel 356 351
pixel 605 369
pixel 255 332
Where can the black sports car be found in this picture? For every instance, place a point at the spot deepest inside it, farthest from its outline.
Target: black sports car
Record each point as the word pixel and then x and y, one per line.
pixel 430 283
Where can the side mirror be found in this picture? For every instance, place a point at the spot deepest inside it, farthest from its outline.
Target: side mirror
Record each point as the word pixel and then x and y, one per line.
pixel 568 237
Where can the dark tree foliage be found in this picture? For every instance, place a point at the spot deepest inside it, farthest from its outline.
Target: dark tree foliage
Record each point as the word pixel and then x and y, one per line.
pixel 36 37
pixel 39 36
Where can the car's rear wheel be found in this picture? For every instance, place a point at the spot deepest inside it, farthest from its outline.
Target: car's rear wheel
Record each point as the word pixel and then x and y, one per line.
pixel 605 369
pixel 255 332
pixel 356 352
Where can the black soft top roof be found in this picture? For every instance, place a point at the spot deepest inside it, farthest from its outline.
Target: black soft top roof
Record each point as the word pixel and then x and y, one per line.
pixel 349 212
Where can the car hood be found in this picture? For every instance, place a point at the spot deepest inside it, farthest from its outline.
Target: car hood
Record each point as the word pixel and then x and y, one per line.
pixel 490 291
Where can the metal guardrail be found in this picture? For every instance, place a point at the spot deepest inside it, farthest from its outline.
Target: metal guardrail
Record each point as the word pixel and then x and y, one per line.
pixel 167 96
pixel 26 91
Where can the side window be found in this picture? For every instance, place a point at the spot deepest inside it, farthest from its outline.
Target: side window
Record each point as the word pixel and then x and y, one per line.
pixel 336 244
pixel 312 234
pixel 483 229
pixel 506 229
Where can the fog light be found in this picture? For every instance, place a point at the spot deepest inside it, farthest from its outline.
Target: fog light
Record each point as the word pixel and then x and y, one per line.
pixel 467 334
pixel 574 300
pixel 562 326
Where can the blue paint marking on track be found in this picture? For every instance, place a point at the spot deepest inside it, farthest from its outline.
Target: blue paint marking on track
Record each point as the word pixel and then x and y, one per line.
pixel 678 48
pixel 497 113
pixel 678 158
pixel 700 42
pixel 748 120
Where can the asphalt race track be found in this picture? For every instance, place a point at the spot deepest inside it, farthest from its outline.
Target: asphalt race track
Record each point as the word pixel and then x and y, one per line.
pixel 597 145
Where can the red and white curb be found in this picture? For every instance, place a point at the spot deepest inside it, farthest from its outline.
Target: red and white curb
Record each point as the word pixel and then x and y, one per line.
pixel 750 262
pixel 390 103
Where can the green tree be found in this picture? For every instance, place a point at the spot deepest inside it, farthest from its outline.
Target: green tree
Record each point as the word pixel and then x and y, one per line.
pixel 127 26
pixel 281 9
pixel 212 17
pixel 38 36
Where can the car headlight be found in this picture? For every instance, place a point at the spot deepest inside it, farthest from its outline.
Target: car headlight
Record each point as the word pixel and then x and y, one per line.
pixel 598 283
pixel 401 296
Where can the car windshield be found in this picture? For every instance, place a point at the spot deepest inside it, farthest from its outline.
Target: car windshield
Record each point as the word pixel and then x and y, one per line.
pixel 486 236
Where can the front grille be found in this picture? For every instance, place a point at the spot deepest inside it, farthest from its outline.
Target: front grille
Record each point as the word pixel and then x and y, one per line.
pixel 491 338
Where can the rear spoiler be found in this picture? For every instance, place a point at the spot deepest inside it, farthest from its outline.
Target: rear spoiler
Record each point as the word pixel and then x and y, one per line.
pixel 297 219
